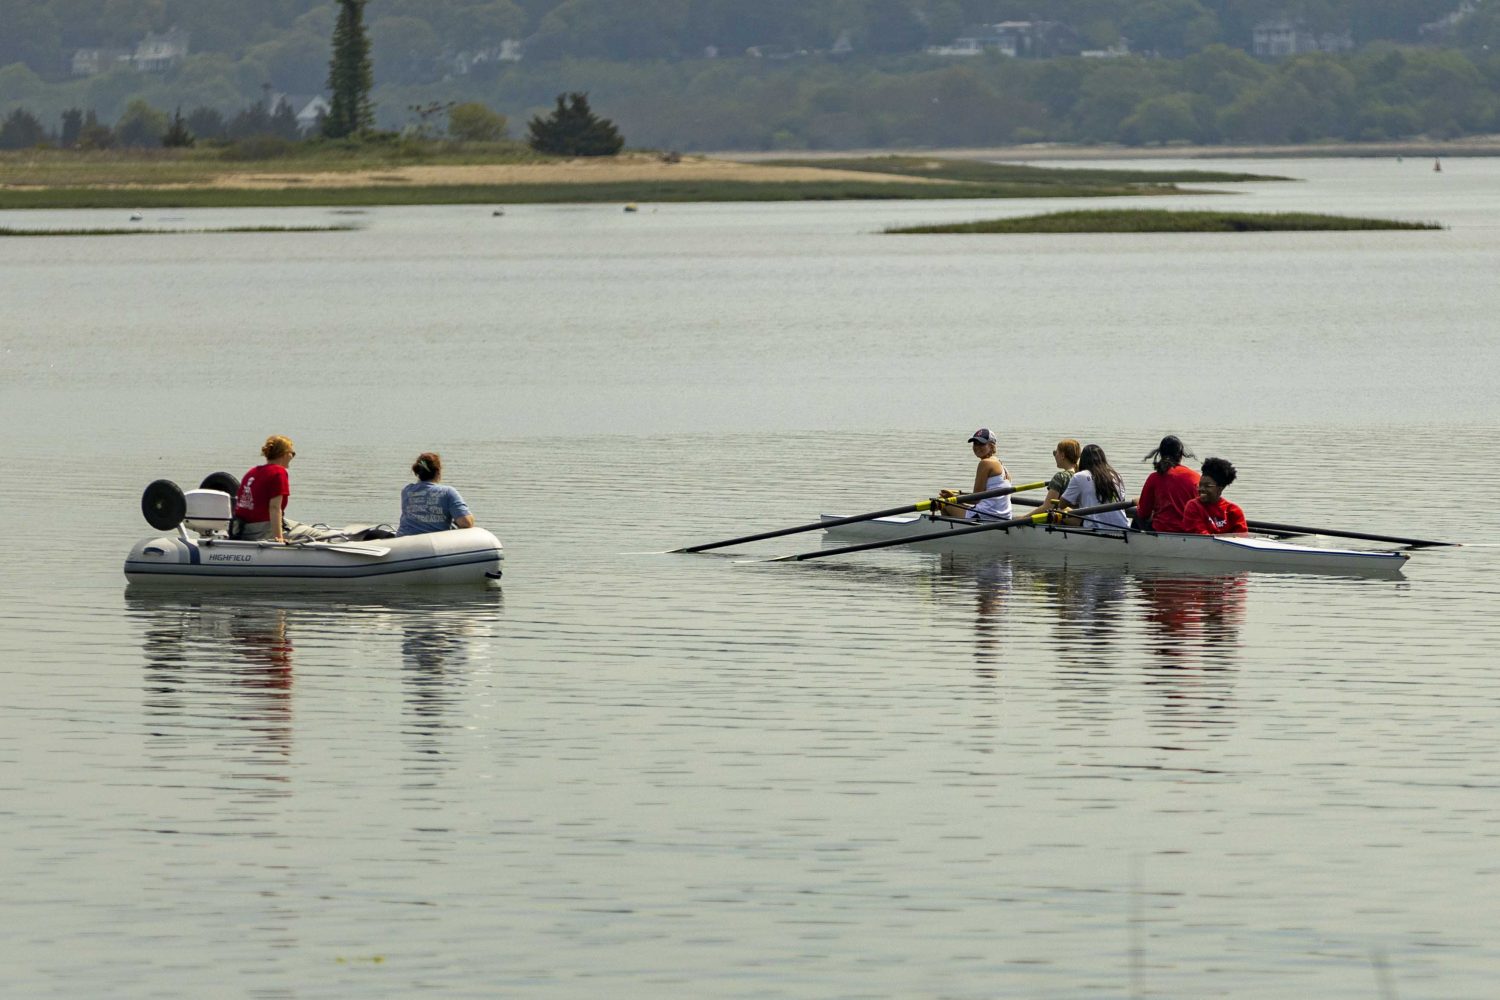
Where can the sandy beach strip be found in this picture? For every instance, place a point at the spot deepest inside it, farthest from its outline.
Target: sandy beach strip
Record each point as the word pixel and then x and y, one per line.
pixel 581 171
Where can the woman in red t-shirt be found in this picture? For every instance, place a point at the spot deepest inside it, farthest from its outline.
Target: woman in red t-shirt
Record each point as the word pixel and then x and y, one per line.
pixel 260 509
pixel 1166 491
pixel 1209 513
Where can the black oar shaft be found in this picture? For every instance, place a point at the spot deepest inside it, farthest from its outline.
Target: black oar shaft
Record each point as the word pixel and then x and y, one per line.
pixel 1272 528
pixel 1334 533
pixel 892 512
pixel 948 534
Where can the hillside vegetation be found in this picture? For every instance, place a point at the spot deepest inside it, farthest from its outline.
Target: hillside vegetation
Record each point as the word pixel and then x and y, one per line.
pixel 811 74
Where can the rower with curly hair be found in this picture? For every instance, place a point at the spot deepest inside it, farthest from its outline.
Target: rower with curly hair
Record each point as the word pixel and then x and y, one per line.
pixel 1209 513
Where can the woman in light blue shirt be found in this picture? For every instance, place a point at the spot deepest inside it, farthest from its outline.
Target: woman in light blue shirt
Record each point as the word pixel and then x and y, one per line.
pixel 428 505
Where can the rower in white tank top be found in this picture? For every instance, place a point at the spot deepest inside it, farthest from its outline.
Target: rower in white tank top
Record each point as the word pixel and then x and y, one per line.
pixel 995 508
pixel 990 475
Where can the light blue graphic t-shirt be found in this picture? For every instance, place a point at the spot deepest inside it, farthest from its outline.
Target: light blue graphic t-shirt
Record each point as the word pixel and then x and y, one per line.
pixel 429 507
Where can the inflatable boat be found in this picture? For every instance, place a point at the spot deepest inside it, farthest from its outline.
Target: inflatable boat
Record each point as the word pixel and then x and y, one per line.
pixel 198 549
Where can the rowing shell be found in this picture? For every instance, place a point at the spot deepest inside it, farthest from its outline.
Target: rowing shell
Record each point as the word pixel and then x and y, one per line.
pixel 1213 552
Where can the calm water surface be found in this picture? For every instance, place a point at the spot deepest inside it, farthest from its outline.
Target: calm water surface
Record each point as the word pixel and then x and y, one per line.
pixel 636 775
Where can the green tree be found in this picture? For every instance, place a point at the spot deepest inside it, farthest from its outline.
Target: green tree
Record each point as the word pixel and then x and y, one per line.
pixel 1109 95
pixel 574 130
pixel 1170 27
pixel 18 82
pixel 408 48
pixel 892 26
pixel 178 136
pixel 292 60
pixel 1161 119
pixel 350 75
pixel 473 122
pixel 94 134
pixel 72 128
pixel 21 130
pixel 206 123
pixel 140 125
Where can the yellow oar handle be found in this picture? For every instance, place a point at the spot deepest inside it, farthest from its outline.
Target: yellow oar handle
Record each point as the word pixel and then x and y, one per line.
pixel 929 504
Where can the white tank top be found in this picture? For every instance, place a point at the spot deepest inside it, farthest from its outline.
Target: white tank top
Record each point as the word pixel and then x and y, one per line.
pixel 995 508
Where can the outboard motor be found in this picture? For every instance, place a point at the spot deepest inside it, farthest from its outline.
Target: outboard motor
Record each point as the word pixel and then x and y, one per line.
pixel 207 511
pixel 204 510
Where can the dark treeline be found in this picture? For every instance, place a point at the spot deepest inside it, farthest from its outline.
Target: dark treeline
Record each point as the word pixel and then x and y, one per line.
pixel 1219 95
pixel 143 127
pixel 826 73
pixel 291 35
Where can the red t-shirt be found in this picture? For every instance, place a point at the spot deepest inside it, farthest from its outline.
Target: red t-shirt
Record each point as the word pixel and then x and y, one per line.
pixel 1223 518
pixel 1164 497
pixel 256 490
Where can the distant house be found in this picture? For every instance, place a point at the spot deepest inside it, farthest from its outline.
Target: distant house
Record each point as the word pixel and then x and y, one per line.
pixel 312 114
pixel 159 53
pixel 776 52
pixel 463 63
pixel 1446 27
pixel 966 45
pixel 1281 37
pixel 92 62
pixel 1016 39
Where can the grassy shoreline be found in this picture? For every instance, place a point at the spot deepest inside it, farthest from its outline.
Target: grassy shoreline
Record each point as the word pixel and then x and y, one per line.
pixel 148 231
pixel 529 194
pixel 157 179
pixel 982 171
pixel 1128 220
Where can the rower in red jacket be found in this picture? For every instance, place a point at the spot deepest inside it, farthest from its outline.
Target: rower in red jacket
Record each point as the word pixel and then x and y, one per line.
pixel 1168 489
pixel 1209 513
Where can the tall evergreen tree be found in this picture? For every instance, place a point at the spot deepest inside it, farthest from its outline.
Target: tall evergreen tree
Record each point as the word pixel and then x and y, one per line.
pixel 350 76
pixel 574 130
pixel 178 135
pixel 72 128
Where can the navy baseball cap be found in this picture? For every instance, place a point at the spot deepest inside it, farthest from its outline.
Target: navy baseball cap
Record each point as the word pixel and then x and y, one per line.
pixel 982 436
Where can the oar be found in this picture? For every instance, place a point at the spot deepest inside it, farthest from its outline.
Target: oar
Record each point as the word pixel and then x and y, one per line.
pixel 910 508
pixel 1293 529
pixel 950 533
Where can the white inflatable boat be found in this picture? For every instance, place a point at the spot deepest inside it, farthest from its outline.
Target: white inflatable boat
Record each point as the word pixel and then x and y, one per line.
pixel 199 550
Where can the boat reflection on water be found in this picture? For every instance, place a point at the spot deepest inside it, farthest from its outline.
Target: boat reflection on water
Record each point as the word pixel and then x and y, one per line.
pixel 441 646
pixel 218 674
pixel 220 666
pixel 993 582
pixel 1104 626
pixel 1192 615
pixel 1194 639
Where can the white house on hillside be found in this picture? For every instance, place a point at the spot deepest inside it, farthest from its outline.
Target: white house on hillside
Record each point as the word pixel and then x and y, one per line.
pixel 92 62
pixel 159 53
pixel 312 113
pixel 1281 37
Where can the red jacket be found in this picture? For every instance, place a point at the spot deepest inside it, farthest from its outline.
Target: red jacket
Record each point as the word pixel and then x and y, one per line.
pixel 1223 518
pixel 1164 496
